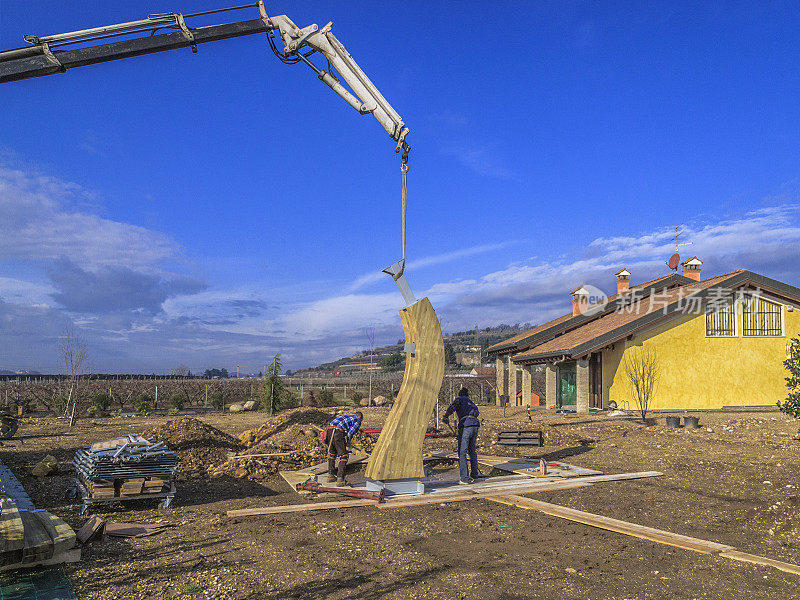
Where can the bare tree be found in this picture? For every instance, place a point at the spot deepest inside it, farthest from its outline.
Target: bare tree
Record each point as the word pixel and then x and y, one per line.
pixel 75 355
pixel 181 371
pixel 370 333
pixel 644 372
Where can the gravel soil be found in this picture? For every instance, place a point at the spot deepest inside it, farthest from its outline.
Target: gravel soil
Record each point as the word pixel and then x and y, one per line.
pixel 734 481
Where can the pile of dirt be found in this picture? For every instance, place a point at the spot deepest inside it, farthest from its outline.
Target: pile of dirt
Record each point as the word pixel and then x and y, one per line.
pixel 286 442
pixel 308 420
pixel 199 446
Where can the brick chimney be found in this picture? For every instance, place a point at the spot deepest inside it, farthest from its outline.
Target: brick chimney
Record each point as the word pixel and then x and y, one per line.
pixel 580 300
pixel 691 268
pixel 623 280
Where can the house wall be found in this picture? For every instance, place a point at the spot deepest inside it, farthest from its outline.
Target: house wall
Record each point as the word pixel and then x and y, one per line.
pixel 705 372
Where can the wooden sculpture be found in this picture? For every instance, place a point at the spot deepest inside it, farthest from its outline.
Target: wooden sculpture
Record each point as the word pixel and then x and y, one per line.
pixel 398 451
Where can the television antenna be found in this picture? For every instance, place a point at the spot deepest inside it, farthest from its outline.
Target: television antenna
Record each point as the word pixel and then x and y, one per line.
pixel 675 259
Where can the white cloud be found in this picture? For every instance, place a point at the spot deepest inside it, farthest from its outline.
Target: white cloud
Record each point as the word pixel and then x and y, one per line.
pixel 479 158
pixel 41 223
pixel 428 261
pixel 18 291
pixel 766 240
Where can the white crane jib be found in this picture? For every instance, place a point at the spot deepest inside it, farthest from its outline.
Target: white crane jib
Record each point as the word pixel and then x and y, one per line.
pixel 367 98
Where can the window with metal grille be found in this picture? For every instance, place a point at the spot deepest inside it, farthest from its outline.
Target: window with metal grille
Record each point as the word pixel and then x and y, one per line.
pixel 761 317
pixel 721 318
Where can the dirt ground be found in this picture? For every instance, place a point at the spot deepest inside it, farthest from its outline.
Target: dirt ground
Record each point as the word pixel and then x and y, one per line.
pixel 734 481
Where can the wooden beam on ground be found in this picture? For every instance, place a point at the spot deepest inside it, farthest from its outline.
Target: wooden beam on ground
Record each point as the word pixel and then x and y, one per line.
pixel 295 477
pixel 272 510
pixel 761 560
pixel 647 533
pixel 437 498
pixel 12 534
pixel 624 527
pixel 508 485
pixel 68 556
pixel 520 466
pixel 38 543
pixel 517 485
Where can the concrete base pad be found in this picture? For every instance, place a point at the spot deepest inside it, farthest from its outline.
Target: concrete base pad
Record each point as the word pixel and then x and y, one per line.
pixel 396 486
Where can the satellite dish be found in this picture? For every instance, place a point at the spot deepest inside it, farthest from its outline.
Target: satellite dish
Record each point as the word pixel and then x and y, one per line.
pixel 674 261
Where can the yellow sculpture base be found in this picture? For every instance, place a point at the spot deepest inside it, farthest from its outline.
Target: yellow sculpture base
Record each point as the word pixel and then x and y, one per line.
pixel 398 452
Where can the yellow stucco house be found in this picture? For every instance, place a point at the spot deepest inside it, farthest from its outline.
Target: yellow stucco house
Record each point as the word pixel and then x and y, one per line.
pixel 719 342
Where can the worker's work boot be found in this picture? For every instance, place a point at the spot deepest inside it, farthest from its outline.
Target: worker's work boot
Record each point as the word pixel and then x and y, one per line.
pixel 341 482
pixel 331 478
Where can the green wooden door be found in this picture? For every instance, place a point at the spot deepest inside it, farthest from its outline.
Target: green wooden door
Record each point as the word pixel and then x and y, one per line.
pixel 566 384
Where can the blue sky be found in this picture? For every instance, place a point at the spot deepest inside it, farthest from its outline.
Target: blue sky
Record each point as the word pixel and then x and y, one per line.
pixel 216 208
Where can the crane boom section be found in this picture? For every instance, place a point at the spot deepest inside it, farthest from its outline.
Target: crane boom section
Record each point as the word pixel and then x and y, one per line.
pixel 47 55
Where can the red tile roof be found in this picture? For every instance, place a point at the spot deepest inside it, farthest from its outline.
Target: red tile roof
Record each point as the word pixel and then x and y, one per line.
pixel 510 342
pixel 638 309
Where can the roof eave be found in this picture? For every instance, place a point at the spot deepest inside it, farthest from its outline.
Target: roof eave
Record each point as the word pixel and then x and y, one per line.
pixel 668 313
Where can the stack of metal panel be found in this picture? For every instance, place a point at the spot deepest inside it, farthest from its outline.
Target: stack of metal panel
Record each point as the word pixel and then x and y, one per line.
pixel 127 457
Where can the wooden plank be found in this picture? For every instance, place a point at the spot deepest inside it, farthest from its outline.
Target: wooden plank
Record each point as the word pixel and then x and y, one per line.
pixel 11 529
pixel 478 490
pixel 295 477
pixel 12 534
pixel 436 498
pixel 624 527
pixel 272 510
pixel 761 560
pixel 93 529
pixel 321 468
pixel 70 556
pixel 60 533
pixel 38 543
pixel 398 452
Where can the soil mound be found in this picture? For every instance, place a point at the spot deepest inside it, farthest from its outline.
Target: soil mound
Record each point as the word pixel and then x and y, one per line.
pixel 286 442
pixel 199 446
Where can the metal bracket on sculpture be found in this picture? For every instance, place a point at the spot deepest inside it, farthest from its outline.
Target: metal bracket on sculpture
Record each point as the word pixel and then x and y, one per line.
pixel 396 271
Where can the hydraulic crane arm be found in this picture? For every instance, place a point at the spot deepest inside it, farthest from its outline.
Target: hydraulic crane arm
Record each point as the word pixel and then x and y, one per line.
pixel 51 54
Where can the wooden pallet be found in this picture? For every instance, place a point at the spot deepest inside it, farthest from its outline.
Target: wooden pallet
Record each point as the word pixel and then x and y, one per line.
pixel 521 438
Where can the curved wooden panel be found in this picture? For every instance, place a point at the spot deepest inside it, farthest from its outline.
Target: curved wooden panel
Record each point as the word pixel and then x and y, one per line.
pixel 398 452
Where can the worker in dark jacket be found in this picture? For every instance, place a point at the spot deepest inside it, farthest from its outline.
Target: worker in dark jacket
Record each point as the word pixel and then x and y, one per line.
pixel 468 425
pixel 338 436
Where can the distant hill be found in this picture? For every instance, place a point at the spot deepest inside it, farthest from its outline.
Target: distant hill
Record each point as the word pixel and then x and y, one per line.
pixel 7 372
pixel 459 341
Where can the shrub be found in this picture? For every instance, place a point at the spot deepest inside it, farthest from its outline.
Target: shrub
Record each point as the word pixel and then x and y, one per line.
pixel 60 404
pixel 791 405
pixel 356 397
pixel 216 400
pixel 142 403
pixel 290 400
pixel 101 401
pixel 325 398
pixel 176 401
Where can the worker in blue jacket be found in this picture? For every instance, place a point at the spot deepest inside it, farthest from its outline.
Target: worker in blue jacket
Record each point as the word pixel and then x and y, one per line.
pixel 468 425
